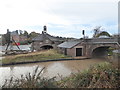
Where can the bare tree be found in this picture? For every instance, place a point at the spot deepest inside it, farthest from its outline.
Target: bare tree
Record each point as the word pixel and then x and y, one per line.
pixel 96 31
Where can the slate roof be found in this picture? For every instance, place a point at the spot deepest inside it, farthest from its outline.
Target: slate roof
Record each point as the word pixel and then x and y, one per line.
pixel 69 44
pixel 38 38
pixel 42 36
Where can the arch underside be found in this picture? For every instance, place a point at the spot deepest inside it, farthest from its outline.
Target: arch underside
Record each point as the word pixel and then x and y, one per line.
pixel 100 52
pixel 46 47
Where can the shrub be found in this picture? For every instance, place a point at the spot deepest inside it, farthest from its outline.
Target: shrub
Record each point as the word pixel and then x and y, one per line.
pixel 30 81
pixel 103 75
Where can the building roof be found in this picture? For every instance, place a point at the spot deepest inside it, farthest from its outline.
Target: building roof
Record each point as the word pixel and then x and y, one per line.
pixel 44 35
pixel 14 33
pixel 69 44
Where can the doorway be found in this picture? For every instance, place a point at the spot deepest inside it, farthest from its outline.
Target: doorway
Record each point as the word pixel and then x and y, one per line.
pixel 78 51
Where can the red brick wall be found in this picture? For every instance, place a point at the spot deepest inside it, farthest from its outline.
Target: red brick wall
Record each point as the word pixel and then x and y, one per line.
pixel 22 38
pixel 16 37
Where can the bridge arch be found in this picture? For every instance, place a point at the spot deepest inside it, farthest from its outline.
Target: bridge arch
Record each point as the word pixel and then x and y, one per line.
pixel 101 51
pixel 46 47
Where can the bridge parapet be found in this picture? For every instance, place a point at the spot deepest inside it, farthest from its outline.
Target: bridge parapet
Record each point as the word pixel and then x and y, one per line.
pixel 100 44
pixel 102 40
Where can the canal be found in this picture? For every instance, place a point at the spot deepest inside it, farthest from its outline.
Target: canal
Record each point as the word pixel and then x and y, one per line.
pixel 58 68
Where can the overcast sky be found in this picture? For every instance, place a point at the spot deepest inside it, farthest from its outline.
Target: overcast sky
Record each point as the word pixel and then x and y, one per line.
pixel 65 18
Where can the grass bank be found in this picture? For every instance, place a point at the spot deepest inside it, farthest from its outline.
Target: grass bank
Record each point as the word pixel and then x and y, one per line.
pixel 103 75
pixel 35 56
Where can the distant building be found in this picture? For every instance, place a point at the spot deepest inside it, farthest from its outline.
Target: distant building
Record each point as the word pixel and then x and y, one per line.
pixel 23 38
pixel 46 41
pixel 15 36
pixel 18 38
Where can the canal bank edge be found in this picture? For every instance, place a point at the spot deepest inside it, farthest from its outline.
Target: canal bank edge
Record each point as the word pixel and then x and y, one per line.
pixel 28 62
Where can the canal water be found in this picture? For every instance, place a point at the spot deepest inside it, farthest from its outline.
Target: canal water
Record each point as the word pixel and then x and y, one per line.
pixel 54 68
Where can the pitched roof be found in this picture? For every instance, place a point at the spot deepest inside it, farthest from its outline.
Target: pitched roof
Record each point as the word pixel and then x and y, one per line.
pixel 38 38
pixel 69 44
pixel 42 36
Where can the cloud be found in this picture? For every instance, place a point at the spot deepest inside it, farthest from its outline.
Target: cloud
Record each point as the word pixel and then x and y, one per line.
pixel 63 17
pixel 76 30
pixel 55 11
pixel 86 12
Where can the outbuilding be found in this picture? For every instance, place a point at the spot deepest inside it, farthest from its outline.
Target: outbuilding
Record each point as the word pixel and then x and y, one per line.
pixel 72 48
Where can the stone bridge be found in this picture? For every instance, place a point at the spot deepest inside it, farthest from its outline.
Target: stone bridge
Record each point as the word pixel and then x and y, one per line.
pixel 89 47
pixel 99 46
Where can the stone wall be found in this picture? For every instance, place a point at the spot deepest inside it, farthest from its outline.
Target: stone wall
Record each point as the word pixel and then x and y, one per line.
pixel 115 58
pixel 71 52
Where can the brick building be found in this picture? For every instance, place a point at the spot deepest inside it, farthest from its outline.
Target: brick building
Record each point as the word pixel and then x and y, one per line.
pixel 15 36
pixel 72 48
pixel 18 38
pixel 46 41
pixel 91 47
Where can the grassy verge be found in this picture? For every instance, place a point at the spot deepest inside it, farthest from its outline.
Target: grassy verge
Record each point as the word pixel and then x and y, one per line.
pixel 36 56
pixel 103 75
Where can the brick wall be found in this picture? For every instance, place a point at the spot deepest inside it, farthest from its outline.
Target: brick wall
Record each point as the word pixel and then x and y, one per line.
pixel 71 52
pixel 16 37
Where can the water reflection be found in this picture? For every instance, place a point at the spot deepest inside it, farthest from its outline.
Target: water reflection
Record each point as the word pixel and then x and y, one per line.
pixel 55 69
pixel 63 68
pixel 4 74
